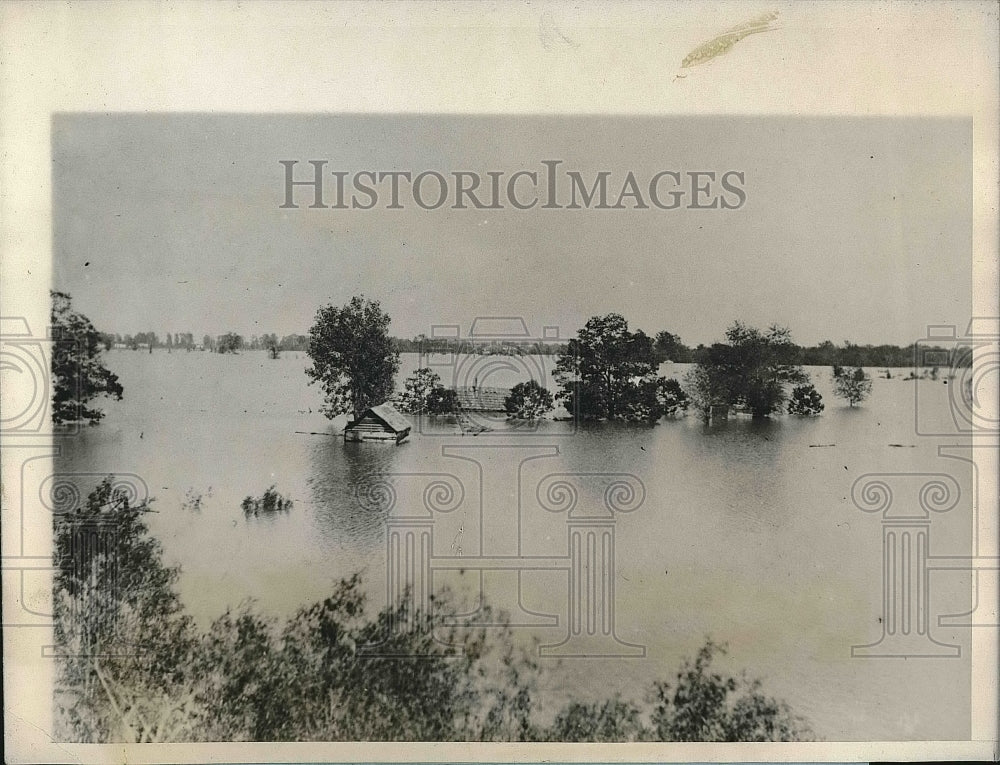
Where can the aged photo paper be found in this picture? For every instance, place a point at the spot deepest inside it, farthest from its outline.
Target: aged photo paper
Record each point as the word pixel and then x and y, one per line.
pixel 499 382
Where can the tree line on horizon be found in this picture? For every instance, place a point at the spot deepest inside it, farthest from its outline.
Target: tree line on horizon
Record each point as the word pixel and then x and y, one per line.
pixel 607 371
pixel 667 347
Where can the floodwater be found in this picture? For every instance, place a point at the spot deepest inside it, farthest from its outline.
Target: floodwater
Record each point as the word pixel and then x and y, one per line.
pixel 744 531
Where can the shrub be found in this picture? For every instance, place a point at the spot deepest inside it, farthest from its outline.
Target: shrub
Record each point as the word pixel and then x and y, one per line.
pixel 332 671
pixel 805 400
pixel 268 503
pixel 418 389
pixel 528 401
pixel 442 401
pixel 852 384
pixel 706 705
pixel 672 397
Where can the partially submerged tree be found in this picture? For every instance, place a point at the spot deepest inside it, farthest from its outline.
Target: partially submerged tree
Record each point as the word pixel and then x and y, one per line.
pixel 607 371
pixel 268 503
pixel 705 389
pixel 270 343
pixel 528 401
pixel 442 400
pixel 641 401
pixel 229 343
pixel 753 369
pixel 805 400
pixel 852 384
pixel 352 356
pixel 78 371
pixel 418 390
pixel 672 397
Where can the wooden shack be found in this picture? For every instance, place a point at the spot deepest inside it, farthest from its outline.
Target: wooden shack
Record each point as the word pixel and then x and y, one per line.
pixel 378 423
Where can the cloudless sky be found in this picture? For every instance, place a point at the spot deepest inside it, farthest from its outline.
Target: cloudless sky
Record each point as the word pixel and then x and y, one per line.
pixel 853 228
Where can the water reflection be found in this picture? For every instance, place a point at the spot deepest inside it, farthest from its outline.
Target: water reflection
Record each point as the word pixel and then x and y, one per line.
pixel 336 471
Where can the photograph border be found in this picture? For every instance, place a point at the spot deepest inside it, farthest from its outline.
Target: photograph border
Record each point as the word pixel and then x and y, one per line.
pixel 456 57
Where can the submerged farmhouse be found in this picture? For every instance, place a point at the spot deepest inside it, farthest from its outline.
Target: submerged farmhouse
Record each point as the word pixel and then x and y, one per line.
pixel 479 399
pixel 378 423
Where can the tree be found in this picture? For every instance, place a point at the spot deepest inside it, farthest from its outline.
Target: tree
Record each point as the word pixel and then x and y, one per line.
pixel 851 355
pixel 604 369
pixel 704 705
pixel 149 339
pixel 669 347
pixel 528 401
pixel 611 721
pixel 418 390
pixel 353 358
pixel 124 671
pixel 78 371
pixel 805 400
pixel 134 667
pixel 705 389
pixel 229 343
pixel 294 343
pixel 269 342
pixel 442 400
pixel 822 355
pixel 672 397
pixel 753 369
pixel 641 401
pixel 852 384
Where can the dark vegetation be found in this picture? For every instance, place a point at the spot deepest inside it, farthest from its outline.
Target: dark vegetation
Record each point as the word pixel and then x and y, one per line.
pixel 135 668
pixel 423 393
pixel 606 372
pixel 805 400
pixel 269 503
pixel 528 401
pixel 78 371
pixel 352 355
pixel 750 372
pixel 610 373
pixel 854 385
pixel 229 343
pixel 666 347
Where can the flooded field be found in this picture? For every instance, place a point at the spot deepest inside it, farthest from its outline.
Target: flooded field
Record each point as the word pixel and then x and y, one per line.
pixel 746 531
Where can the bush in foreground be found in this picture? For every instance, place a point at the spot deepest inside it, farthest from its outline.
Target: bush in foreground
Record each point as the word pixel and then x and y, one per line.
pixel 134 667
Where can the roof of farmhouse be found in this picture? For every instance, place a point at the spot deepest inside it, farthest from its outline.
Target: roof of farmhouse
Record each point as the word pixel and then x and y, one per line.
pixel 480 399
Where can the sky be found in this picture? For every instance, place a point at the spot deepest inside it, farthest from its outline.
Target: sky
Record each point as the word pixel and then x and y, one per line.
pixel 853 228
